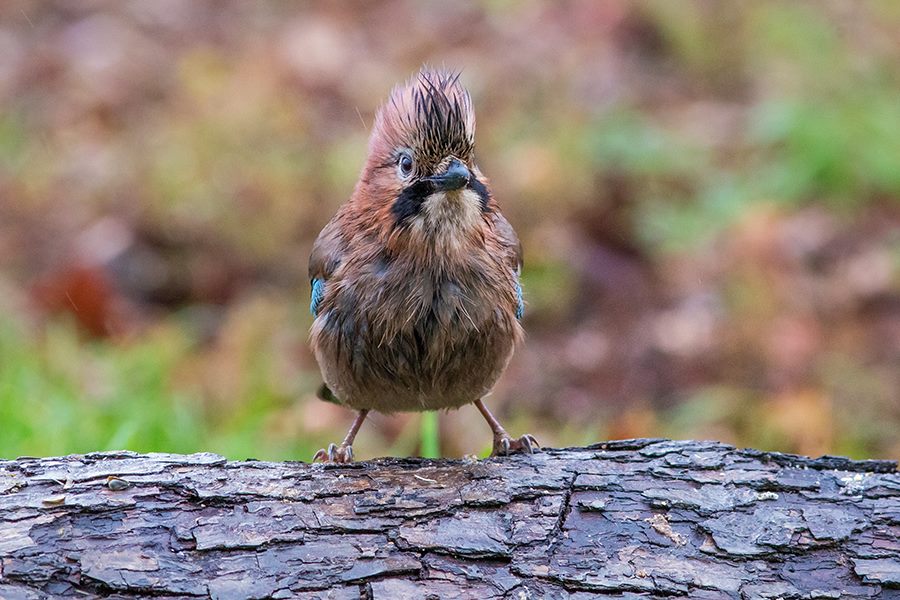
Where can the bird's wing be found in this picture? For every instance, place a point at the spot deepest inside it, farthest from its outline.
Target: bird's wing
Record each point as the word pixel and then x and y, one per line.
pixel 513 249
pixel 325 257
pixel 509 240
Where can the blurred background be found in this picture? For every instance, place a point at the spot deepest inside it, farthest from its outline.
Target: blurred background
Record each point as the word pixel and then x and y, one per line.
pixel 708 194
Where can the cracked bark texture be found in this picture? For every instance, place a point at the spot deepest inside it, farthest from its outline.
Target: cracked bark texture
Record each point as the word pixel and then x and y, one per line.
pixel 629 519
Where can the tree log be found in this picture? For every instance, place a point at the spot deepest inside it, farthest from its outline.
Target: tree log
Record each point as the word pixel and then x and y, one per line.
pixel 628 519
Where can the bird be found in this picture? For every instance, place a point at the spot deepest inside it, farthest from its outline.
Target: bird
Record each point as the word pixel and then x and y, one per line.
pixel 415 281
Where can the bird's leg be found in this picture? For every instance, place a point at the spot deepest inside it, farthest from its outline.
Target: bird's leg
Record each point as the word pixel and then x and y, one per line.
pixel 503 444
pixel 344 452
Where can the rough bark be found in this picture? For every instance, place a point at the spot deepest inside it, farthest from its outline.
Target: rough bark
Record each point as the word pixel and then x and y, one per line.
pixel 630 519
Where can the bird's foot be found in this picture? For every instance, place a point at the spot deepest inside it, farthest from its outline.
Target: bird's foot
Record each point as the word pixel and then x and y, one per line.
pixel 342 454
pixel 505 445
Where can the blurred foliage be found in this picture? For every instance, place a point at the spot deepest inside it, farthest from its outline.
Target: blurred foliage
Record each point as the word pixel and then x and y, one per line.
pixel 708 194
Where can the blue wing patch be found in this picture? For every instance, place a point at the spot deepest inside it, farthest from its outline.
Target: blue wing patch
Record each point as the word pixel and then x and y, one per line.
pixel 520 302
pixel 316 295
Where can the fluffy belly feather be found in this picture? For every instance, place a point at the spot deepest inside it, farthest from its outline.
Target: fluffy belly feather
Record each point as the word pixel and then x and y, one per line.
pixel 443 357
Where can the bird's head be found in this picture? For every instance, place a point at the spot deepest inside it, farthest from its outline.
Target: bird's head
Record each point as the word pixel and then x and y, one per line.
pixel 421 156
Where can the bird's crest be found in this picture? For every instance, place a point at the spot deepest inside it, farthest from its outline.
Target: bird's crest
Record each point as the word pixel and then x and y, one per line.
pixel 432 114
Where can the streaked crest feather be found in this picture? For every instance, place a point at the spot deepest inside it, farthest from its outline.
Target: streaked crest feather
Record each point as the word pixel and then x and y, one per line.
pixel 432 115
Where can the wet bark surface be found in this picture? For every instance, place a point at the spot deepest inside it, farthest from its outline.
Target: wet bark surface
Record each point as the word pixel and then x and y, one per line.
pixel 630 519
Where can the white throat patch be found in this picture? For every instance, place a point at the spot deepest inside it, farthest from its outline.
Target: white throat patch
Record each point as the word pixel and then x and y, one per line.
pixel 459 210
pixel 447 218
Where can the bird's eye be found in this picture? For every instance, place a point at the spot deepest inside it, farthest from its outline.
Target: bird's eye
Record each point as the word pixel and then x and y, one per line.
pixel 404 165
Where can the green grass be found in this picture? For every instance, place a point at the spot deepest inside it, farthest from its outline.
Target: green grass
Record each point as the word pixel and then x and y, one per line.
pixel 431 444
pixel 60 394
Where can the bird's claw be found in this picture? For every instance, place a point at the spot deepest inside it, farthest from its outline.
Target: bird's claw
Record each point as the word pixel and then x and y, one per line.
pixel 505 445
pixel 335 454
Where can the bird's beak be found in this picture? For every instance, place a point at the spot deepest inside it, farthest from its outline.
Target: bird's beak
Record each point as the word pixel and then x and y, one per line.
pixel 454 178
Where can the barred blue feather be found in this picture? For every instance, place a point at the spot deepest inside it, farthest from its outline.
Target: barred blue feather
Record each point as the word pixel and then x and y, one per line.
pixel 520 302
pixel 316 294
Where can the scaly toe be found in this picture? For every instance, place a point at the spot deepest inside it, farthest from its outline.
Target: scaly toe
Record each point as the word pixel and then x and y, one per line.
pixel 505 445
pixel 344 454
pixel 530 444
pixel 335 454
